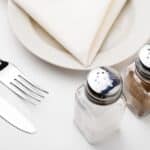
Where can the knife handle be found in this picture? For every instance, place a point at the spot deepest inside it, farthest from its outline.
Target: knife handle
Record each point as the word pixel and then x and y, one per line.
pixel 3 64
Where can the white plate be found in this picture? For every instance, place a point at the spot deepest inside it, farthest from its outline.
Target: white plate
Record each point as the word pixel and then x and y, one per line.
pixel 131 30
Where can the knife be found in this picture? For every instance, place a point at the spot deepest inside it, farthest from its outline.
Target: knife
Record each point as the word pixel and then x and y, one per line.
pixel 15 118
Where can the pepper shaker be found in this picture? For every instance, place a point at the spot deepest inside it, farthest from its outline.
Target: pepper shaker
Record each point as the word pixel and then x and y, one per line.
pixel 99 104
pixel 137 83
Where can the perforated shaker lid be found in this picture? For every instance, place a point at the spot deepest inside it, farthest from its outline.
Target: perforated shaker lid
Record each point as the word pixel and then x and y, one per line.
pixel 104 86
pixel 143 62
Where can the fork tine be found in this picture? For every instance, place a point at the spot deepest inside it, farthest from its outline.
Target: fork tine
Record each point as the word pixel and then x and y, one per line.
pixel 23 98
pixel 17 94
pixel 28 88
pixel 32 84
pixel 23 92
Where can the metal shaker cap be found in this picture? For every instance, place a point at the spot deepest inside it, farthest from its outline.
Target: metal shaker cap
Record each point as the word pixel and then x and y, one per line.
pixel 143 62
pixel 104 86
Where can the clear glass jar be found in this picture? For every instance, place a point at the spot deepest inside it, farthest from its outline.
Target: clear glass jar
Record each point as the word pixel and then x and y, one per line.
pixel 137 83
pixel 99 105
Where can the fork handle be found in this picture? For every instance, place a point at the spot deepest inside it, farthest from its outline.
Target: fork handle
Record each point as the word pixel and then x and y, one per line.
pixel 3 64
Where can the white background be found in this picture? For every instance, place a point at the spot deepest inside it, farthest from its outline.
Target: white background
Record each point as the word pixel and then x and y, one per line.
pixel 54 116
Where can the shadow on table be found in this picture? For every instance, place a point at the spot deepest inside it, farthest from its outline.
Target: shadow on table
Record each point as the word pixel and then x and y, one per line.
pixel 146 119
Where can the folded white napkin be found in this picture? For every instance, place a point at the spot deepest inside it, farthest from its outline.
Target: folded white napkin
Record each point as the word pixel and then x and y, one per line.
pixel 79 25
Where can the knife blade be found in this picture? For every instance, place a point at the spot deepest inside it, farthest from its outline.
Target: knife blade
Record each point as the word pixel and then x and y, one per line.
pixel 15 118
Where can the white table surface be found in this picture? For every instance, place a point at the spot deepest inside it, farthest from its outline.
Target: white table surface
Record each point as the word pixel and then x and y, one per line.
pixel 54 116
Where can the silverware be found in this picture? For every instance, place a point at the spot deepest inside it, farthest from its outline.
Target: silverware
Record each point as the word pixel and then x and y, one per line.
pixel 17 82
pixel 11 115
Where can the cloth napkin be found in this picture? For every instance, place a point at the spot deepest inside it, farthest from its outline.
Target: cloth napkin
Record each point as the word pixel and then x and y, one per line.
pixel 80 26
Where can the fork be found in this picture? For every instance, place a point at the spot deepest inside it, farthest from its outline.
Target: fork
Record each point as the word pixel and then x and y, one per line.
pixel 17 82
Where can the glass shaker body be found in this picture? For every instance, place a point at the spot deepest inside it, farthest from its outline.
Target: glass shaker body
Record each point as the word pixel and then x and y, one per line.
pixel 137 91
pixel 96 121
pixel 137 83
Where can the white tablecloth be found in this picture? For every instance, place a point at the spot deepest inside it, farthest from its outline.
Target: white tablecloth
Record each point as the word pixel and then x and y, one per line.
pixel 54 116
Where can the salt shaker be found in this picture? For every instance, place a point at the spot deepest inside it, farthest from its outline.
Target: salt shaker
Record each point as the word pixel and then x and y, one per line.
pixel 137 83
pixel 99 105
